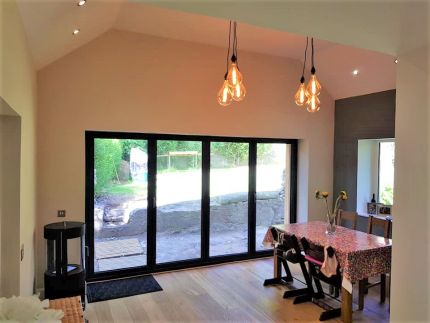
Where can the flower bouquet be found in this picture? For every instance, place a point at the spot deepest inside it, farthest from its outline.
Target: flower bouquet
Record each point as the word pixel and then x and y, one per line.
pixel 331 215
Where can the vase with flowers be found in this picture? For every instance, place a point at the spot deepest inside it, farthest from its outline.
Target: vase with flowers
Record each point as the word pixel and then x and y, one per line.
pixel 331 214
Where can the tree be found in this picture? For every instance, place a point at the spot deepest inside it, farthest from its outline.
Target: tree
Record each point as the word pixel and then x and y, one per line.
pixel 265 153
pixel 387 196
pixel 107 158
pixel 235 153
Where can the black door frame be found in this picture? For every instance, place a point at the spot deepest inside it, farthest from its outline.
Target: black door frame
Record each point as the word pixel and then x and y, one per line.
pixel 152 138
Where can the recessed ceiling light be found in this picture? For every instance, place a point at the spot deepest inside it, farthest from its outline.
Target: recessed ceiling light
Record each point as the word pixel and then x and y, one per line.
pixel 355 72
pixel 396 60
pixel 76 31
pixel 81 2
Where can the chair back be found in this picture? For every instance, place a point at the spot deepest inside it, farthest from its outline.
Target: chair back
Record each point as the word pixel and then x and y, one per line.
pixel 295 254
pixel 315 257
pixel 383 223
pixel 313 251
pixel 348 216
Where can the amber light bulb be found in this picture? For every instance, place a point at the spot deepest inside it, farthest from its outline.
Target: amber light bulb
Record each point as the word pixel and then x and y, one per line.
pixel 314 87
pixel 238 92
pixel 224 95
pixel 234 76
pixel 313 104
pixel 301 95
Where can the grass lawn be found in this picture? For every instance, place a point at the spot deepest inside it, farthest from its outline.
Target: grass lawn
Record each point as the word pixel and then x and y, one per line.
pixel 125 189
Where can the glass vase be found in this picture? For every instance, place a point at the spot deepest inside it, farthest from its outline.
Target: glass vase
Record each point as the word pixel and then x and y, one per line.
pixel 331 225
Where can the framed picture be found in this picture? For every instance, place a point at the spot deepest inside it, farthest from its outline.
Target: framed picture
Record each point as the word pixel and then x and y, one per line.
pixel 371 208
pixel 384 209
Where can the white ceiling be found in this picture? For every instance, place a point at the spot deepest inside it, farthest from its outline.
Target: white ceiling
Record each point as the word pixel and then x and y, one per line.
pixel 49 27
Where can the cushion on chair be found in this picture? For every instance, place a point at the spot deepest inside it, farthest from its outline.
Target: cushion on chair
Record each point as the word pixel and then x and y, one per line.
pixel 313 260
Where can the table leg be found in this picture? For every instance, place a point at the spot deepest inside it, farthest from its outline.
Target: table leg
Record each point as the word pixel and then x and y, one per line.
pixel 361 292
pixel 346 306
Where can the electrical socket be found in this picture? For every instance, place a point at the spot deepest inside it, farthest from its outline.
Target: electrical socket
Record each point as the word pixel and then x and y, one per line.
pixel 61 213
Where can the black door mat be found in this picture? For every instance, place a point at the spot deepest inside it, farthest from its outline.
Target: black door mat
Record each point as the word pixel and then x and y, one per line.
pixel 106 290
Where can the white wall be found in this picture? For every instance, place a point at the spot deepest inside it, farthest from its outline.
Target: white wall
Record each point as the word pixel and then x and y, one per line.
pixel 410 294
pixel 10 146
pixel 367 173
pixel 132 82
pixel 18 89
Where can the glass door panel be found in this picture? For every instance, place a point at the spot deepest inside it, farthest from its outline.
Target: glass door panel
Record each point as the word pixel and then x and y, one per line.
pixel 272 187
pixel 120 203
pixel 229 175
pixel 178 191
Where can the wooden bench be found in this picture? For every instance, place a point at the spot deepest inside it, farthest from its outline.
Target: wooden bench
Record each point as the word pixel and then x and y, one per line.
pixel 72 308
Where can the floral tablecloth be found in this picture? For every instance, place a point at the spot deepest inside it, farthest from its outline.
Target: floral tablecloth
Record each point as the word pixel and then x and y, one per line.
pixel 359 254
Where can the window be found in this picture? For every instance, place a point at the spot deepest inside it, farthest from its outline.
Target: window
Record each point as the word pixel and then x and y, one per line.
pixel 386 172
pixel 158 202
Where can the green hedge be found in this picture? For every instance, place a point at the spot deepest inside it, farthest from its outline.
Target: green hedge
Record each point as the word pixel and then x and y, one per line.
pixel 107 158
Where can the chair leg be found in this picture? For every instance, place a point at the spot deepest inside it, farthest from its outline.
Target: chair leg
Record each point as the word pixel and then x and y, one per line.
pixel 383 287
pixel 302 299
pixel 289 277
pixel 361 292
pixel 330 314
pixel 283 280
pixel 296 292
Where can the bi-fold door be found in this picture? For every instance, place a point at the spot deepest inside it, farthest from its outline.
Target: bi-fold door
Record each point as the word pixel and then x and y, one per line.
pixel 160 202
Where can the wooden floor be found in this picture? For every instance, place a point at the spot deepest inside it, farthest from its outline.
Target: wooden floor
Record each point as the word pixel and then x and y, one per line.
pixel 232 292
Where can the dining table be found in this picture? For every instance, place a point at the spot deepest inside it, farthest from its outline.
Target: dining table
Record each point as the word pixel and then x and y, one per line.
pixel 360 255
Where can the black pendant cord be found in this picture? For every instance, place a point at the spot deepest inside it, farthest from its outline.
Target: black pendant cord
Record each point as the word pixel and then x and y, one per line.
pixel 302 80
pixel 235 43
pixel 313 66
pixel 228 51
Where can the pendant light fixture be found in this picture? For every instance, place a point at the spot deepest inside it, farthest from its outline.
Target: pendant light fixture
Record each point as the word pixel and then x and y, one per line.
pixel 232 88
pixel 224 95
pixel 313 88
pixel 302 95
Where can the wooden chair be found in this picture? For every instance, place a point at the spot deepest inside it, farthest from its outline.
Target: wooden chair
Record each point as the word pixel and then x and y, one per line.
pixel 279 252
pixel 348 216
pixel 288 250
pixel 384 225
pixel 315 256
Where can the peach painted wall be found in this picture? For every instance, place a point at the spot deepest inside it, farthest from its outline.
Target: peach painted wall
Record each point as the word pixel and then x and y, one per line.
pixel 125 81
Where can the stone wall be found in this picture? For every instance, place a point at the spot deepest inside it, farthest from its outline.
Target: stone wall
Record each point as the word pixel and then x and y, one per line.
pixel 228 212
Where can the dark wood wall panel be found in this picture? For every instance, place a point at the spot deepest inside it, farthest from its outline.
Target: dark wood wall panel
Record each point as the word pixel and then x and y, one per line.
pixel 369 116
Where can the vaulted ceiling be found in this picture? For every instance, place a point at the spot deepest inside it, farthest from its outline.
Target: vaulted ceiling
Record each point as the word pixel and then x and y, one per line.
pixel 49 27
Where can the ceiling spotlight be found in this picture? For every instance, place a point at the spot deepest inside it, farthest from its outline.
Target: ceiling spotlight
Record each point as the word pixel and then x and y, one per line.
pixel 81 2
pixel 396 60
pixel 355 72
pixel 76 31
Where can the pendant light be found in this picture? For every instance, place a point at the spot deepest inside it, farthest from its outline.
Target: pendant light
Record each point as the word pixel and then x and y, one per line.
pixel 313 88
pixel 224 95
pixel 232 88
pixel 302 95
